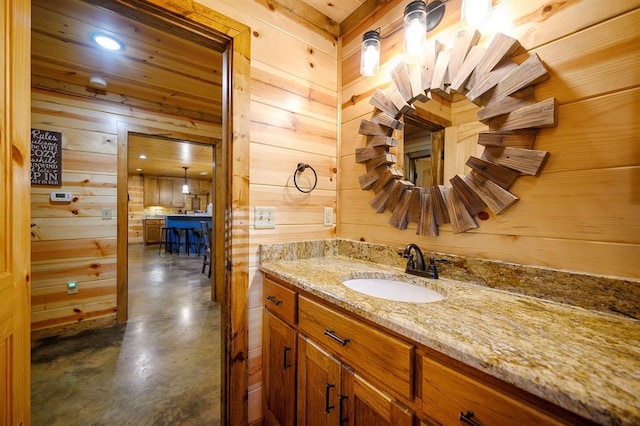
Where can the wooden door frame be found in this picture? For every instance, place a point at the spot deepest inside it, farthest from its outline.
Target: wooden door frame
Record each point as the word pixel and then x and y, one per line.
pixel 15 214
pixel 232 181
pixel 124 129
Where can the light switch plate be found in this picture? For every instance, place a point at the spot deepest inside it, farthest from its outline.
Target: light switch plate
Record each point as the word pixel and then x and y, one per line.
pixel 327 218
pixel 264 218
pixel 106 213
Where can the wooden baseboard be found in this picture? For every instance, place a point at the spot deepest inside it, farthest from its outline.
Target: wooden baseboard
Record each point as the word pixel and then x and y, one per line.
pixel 71 329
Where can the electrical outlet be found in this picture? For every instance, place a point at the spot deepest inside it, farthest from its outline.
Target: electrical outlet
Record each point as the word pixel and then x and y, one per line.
pixel 72 287
pixel 106 213
pixel 264 218
pixel 328 216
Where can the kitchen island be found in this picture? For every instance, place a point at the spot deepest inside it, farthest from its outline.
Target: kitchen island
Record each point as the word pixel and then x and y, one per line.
pixel 188 228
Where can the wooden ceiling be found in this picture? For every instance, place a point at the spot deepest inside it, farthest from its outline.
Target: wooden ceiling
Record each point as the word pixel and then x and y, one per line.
pixel 176 73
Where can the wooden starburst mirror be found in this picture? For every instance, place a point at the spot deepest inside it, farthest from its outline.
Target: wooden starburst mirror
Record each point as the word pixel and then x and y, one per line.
pixel 489 78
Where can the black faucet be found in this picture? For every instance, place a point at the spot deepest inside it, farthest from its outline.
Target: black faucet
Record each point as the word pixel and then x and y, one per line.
pixel 416 267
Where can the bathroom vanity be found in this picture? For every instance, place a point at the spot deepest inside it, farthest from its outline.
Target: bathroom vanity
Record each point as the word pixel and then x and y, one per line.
pixel 333 355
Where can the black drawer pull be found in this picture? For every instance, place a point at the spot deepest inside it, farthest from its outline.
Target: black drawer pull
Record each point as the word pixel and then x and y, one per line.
pixel 327 407
pixel 468 418
pixel 341 410
pixel 286 364
pixel 274 300
pixel 331 333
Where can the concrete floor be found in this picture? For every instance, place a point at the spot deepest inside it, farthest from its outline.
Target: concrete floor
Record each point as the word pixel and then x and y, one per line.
pixel 161 368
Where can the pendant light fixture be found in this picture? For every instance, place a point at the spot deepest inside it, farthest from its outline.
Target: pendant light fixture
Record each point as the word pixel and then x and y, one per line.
pixel 185 186
pixel 415 26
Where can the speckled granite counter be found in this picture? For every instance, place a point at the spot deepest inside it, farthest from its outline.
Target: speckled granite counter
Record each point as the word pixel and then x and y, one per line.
pixel 585 361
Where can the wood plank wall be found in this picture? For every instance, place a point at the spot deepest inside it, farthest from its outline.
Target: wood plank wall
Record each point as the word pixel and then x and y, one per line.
pixel 581 214
pixel 71 242
pixel 294 83
pixel 136 209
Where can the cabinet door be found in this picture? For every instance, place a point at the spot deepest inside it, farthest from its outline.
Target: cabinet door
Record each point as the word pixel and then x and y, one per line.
pixel 279 357
pixel 151 196
pixel 319 385
pixel 178 196
pixel 165 190
pixel 152 231
pixel 366 405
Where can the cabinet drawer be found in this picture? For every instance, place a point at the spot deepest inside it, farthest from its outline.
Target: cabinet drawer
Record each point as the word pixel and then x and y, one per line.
pixel 281 301
pixel 383 359
pixel 447 393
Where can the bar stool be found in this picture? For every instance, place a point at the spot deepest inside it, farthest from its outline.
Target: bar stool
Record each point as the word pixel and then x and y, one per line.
pixel 178 241
pixel 207 259
pixel 197 240
pixel 166 234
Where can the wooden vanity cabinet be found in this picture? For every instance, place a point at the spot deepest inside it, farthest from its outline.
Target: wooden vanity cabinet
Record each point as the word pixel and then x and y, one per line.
pixel 279 354
pixel 350 372
pixel 279 363
pixel 327 382
pixel 330 393
pixel 451 391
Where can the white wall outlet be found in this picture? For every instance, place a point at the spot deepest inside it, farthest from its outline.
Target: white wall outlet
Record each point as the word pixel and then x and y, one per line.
pixel 72 287
pixel 106 213
pixel 264 218
pixel 327 217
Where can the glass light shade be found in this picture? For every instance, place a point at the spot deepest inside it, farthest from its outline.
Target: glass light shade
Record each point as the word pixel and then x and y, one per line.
pixel 475 11
pixel 415 28
pixel 185 189
pixel 370 53
pixel 107 42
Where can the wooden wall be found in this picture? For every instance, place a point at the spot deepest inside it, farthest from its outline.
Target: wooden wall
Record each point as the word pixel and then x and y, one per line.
pixel 581 214
pixel 294 82
pixel 71 242
pixel 136 209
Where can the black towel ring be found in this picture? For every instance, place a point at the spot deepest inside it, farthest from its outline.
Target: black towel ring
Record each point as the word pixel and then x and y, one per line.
pixel 301 167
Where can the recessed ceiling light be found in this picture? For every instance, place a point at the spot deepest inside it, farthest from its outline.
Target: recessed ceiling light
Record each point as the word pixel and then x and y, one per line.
pixel 204 173
pixel 138 170
pixel 107 42
pixel 142 157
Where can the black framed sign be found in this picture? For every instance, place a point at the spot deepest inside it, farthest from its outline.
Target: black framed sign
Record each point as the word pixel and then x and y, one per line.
pixel 46 157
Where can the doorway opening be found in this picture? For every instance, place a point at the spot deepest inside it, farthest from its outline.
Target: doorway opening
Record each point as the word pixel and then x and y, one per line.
pixel 232 40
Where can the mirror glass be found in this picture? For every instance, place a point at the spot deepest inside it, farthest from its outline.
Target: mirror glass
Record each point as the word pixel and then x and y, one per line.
pixel 423 151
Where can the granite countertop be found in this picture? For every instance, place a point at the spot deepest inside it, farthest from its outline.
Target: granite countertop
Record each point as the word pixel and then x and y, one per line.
pixel 585 361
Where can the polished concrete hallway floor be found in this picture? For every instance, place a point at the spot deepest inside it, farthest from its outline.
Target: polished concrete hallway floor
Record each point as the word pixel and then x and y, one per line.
pixel 161 368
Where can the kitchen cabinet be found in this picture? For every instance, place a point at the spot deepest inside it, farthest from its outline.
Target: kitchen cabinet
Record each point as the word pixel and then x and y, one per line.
pixel 163 191
pixel 199 187
pixel 151 195
pixel 170 192
pixel 353 372
pixel 152 230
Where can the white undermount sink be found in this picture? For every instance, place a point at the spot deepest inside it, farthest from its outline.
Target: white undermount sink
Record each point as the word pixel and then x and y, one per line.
pixel 399 291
